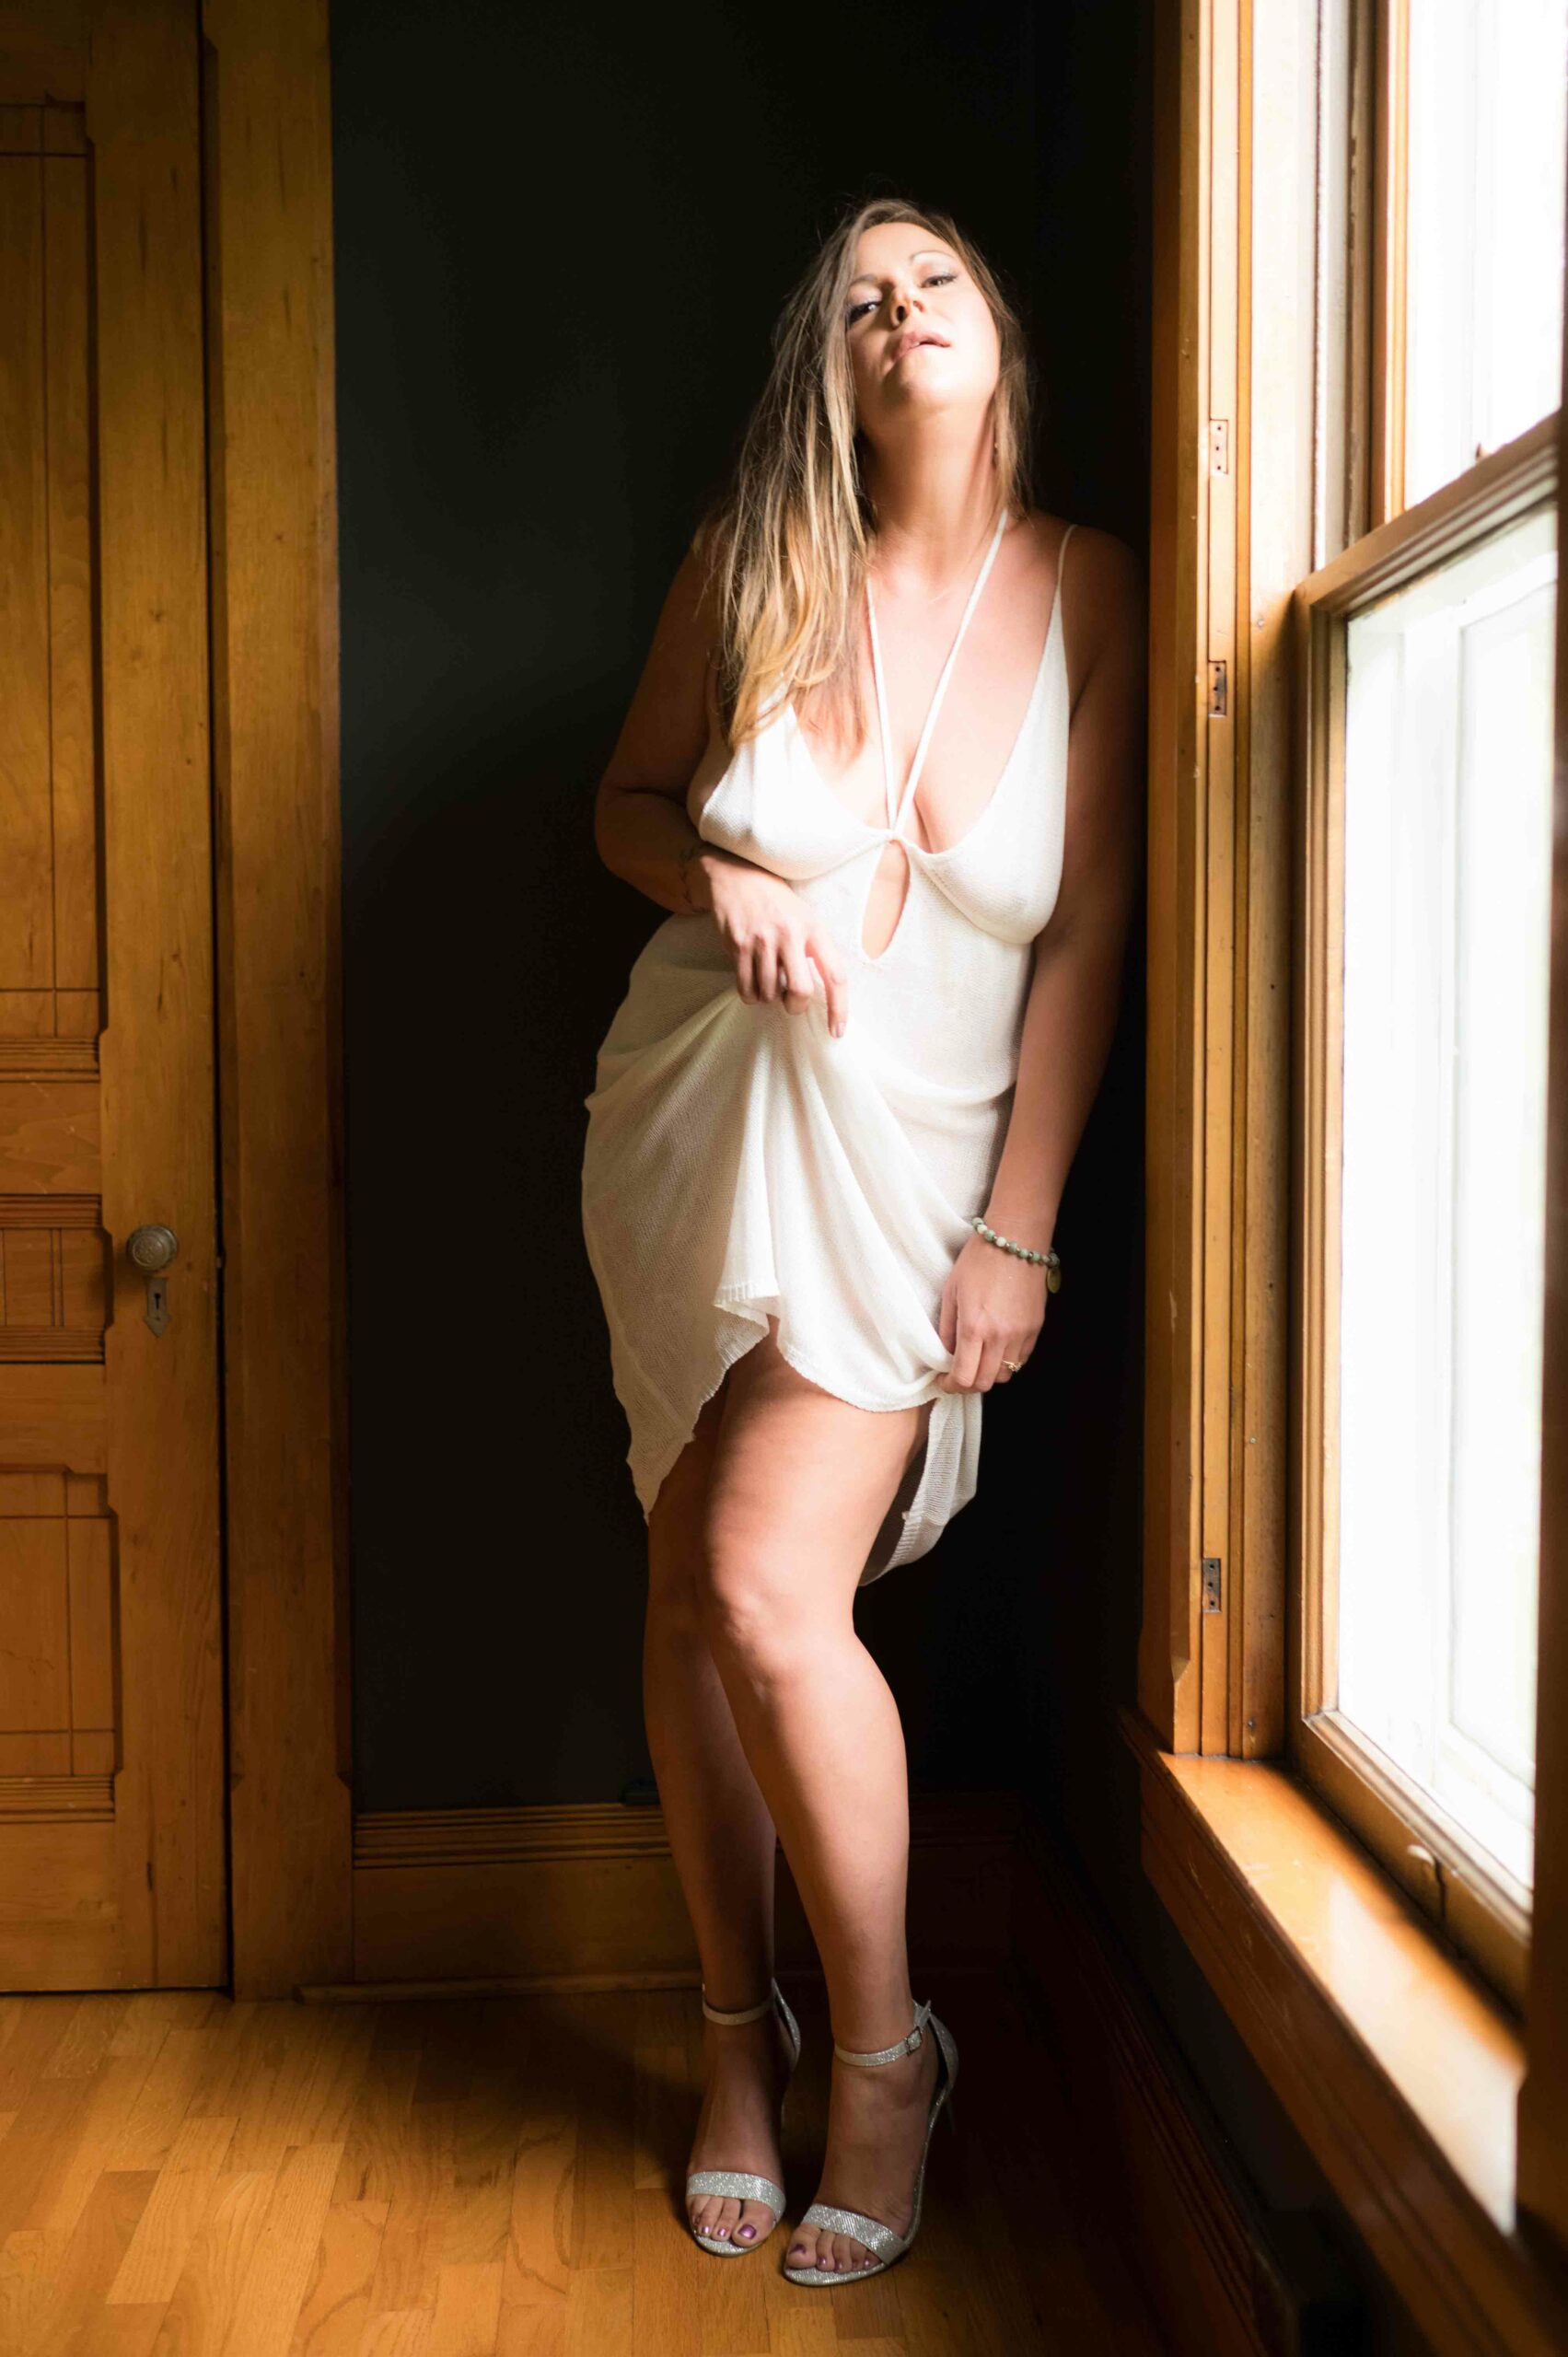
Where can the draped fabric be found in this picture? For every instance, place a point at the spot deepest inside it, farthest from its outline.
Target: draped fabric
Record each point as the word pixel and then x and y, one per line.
pixel 740 1161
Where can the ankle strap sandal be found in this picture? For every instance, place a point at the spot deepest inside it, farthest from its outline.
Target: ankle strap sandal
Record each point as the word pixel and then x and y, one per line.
pixel 745 2185
pixel 887 2244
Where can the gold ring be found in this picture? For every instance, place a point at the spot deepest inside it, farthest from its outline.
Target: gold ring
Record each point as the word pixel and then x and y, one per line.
pixel 1013 1366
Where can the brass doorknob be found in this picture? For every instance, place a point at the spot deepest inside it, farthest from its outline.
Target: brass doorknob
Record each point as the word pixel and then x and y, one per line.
pixel 152 1248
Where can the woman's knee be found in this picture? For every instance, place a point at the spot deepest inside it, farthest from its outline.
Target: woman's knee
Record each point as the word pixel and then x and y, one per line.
pixel 751 1606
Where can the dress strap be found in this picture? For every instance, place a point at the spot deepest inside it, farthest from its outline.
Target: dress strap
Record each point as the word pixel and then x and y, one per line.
pixel 897 805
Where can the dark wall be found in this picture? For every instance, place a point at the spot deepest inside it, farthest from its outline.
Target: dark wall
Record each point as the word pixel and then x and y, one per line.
pixel 557 268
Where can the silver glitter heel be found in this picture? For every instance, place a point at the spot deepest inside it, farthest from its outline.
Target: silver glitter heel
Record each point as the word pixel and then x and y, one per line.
pixel 744 2184
pixel 877 2237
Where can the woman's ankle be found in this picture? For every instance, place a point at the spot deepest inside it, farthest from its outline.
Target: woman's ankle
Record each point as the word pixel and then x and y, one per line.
pixel 740 1992
pixel 873 2028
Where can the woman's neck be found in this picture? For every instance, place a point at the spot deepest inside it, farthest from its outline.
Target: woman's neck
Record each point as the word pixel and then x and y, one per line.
pixel 935 492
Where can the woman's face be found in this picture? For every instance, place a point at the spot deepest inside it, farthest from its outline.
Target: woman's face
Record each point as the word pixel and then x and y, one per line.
pixel 921 338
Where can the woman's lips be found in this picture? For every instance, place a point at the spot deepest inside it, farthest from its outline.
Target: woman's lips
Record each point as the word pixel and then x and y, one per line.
pixel 920 342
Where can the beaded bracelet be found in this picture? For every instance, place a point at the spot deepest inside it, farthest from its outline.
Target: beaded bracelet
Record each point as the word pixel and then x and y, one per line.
pixel 1046 1260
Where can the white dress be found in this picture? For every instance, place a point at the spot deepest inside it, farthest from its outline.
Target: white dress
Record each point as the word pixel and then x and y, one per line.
pixel 740 1161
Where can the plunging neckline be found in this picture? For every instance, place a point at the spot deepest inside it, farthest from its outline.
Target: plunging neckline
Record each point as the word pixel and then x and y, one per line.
pixel 891 833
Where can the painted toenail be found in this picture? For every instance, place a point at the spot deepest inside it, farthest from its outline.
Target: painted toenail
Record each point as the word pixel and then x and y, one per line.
pixel 748 2232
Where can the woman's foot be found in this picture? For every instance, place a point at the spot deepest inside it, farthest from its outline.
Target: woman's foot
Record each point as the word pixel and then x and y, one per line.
pixel 748 2069
pixel 876 2136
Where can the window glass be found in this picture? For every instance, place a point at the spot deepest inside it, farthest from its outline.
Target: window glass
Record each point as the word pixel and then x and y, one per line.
pixel 1487 114
pixel 1448 846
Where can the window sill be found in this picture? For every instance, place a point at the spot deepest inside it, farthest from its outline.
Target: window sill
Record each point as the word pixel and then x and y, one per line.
pixel 1400 2074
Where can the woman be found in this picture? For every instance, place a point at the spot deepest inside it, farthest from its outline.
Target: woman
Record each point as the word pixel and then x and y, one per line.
pixel 831 1126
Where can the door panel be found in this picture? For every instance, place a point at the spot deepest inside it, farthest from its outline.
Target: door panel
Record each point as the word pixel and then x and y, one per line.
pixel 111 1757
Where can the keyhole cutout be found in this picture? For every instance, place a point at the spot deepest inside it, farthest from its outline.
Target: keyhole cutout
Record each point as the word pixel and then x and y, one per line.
pixel 885 899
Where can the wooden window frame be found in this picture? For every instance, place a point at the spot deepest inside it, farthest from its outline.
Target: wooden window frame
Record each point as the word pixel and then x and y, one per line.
pixel 1451 1879
pixel 1386 209
pixel 1259 547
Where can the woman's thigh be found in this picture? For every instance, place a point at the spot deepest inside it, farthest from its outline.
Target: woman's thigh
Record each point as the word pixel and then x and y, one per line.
pixel 776 1465
pixel 679 1514
pixel 797 1483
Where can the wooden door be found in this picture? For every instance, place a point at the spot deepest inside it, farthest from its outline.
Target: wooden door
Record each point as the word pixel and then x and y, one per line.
pixel 111 1744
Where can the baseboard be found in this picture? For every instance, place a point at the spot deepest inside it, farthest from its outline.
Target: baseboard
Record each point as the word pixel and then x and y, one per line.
pixel 1224 2282
pixel 585 1897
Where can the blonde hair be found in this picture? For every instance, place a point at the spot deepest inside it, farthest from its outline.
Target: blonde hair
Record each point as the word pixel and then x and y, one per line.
pixel 784 550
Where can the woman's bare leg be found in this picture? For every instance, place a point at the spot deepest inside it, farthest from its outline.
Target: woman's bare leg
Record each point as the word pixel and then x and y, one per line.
pixel 722 1838
pixel 796 1489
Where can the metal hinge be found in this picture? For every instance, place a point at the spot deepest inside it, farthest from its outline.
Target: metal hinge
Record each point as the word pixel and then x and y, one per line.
pixel 1219 446
pixel 1211 1583
pixel 1217 689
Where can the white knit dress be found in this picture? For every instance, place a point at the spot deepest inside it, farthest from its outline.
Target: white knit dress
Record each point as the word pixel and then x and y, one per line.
pixel 740 1161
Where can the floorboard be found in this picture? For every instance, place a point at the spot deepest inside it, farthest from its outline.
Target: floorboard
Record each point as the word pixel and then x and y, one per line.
pixel 182 2176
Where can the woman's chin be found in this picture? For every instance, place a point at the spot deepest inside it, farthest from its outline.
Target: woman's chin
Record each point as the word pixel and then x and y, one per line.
pixel 932 394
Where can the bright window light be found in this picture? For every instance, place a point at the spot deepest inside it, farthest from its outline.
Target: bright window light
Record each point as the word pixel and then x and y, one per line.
pixel 1485 239
pixel 1447 850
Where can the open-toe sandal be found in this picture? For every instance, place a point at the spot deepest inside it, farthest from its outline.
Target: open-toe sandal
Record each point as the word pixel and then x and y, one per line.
pixel 878 2239
pixel 745 2185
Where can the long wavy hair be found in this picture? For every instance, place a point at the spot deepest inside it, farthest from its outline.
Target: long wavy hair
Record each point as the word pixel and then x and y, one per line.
pixel 784 549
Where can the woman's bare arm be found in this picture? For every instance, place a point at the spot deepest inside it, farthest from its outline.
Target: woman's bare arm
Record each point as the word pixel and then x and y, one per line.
pixel 643 835
pixel 641 829
pixel 1072 1009
pixel 994 1304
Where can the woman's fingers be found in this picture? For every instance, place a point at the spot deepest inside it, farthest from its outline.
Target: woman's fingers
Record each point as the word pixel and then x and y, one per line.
pixel 970 1321
pixel 774 966
pixel 980 1359
pixel 948 1329
pixel 781 967
pixel 775 946
pixel 797 983
pixel 963 1375
pixel 835 986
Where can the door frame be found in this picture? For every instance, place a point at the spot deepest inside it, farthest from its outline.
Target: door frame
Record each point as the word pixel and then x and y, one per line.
pixel 266 142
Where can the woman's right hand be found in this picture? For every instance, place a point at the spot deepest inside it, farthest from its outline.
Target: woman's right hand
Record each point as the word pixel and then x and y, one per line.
pixel 775 940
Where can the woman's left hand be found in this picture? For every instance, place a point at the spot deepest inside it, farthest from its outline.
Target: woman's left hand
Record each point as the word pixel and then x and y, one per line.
pixel 993 1310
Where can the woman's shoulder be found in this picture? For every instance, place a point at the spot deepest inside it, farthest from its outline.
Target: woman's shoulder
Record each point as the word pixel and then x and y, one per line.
pixel 1091 546
pixel 1102 578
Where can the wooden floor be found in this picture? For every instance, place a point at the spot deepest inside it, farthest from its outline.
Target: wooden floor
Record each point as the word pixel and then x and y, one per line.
pixel 182 2176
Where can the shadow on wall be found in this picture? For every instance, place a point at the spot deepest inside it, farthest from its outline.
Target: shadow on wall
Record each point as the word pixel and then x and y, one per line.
pixel 553 305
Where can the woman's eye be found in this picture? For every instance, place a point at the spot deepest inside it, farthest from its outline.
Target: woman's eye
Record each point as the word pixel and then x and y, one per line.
pixel 936 278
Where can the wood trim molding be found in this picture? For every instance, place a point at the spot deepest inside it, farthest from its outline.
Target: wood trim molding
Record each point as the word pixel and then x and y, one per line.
pixel 1222 2282
pixel 64 1799
pixel 1390 200
pixel 1543 2101
pixel 585 1897
pixel 1400 2073
pixel 267 152
pixel 1497 490
pixel 1231 535
pixel 1168 1665
pixel 35 1060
